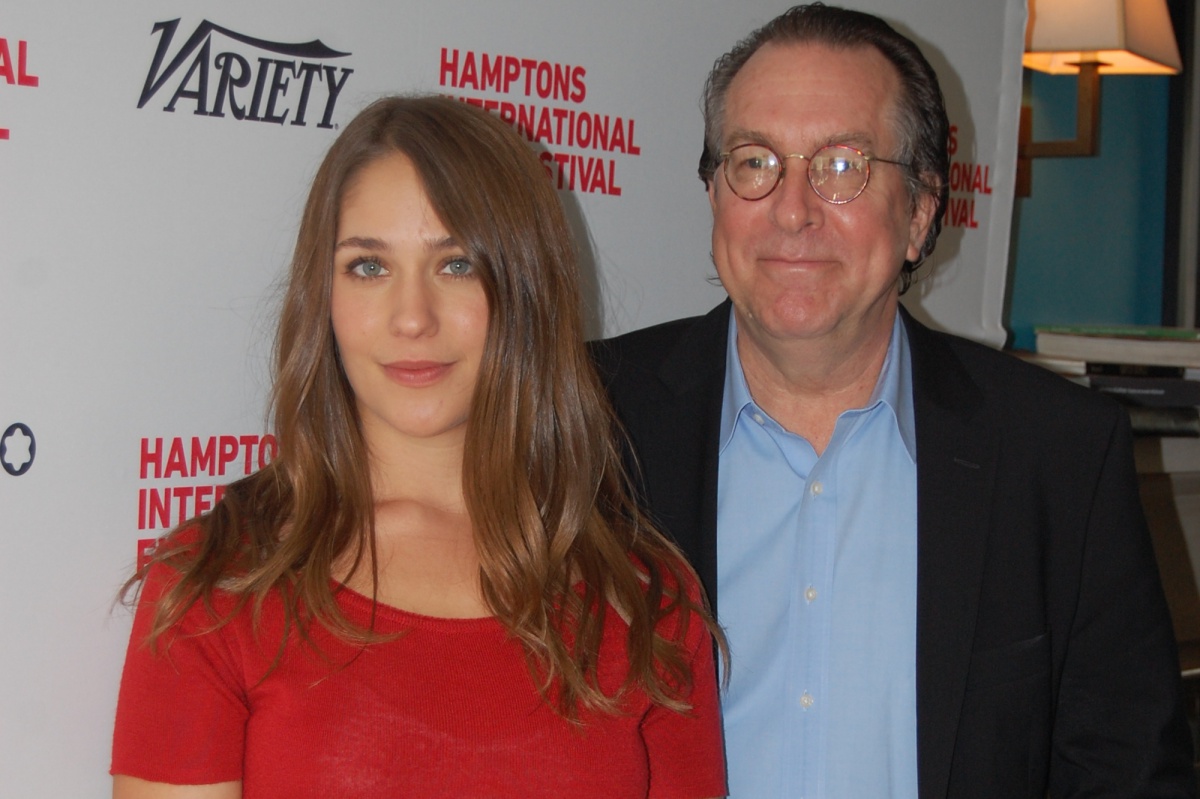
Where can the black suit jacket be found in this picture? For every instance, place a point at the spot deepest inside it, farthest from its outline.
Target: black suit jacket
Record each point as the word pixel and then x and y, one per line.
pixel 1045 655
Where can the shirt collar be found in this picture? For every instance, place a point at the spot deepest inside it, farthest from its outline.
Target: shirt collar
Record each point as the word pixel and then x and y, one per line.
pixel 893 388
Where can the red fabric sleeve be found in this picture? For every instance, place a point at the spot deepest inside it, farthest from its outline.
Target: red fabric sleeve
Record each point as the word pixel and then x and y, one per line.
pixel 181 711
pixel 686 751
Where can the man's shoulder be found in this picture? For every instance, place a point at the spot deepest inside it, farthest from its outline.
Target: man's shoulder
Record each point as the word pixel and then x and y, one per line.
pixel 644 344
pixel 699 339
pixel 1007 381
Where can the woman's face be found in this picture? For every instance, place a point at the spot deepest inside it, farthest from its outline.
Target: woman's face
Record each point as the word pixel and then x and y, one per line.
pixel 409 311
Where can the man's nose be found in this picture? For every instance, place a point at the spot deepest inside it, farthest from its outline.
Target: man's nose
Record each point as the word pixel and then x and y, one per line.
pixel 794 203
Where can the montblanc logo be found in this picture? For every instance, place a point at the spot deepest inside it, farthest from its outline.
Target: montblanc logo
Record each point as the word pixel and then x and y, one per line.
pixel 17 449
pixel 215 77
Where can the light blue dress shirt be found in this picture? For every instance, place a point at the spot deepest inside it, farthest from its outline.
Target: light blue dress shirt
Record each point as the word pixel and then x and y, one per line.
pixel 817 587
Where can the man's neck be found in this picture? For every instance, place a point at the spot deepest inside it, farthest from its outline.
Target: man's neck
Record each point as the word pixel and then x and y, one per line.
pixel 805 385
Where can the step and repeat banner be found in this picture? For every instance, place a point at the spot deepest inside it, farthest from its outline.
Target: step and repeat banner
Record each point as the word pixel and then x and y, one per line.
pixel 154 159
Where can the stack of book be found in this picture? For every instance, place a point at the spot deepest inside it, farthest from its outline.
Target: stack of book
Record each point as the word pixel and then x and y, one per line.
pixel 1153 371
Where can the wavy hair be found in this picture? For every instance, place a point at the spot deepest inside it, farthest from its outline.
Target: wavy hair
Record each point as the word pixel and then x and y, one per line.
pixel 560 539
pixel 922 127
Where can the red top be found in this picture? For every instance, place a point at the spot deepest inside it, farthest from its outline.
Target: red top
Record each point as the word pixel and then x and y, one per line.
pixel 448 709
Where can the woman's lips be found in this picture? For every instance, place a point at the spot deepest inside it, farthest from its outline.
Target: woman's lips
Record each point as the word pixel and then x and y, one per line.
pixel 417 373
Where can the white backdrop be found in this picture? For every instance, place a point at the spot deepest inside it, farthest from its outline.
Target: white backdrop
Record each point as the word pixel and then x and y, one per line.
pixel 141 251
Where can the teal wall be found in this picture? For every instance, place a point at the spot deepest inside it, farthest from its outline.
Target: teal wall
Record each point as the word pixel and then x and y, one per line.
pixel 1088 242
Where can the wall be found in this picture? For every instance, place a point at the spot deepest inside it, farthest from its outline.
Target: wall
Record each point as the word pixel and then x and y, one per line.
pixel 1089 240
pixel 146 221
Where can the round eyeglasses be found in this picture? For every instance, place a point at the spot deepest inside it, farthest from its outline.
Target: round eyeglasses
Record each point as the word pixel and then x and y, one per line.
pixel 837 172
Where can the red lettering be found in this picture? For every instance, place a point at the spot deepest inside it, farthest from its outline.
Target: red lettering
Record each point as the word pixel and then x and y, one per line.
pixel 952 145
pixel 620 142
pixel 582 133
pixel 268 448
pixel 600 126
pixel 525 120
pixel 579 90
pixel 150 457
pixel 544 133
pixel 564 160
pixel 449 67
pixel 613 188
pixel 968 177
pixel 203 499
pixel 617 142
pixel 182 495
pixel 492 72
pixel 176 462
pixel 585 171
pixel 4 134
pixel 960 212
pixel 598 177
pixel 545 80
pixel 561 115
pixel 228 449
pixel 158 510
pixel 512 71
pixel 204 457
pixel 469 77
pixel 562 82
pixel 6 63
pixel 23 76
pixel 529 65
pixel 248 442
pixel 145 551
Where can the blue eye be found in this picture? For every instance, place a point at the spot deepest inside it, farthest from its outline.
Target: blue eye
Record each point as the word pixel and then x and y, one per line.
pixel 365 267
pixel 458 267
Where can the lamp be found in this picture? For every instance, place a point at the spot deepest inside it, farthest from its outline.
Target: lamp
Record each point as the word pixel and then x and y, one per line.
pixel 1090 38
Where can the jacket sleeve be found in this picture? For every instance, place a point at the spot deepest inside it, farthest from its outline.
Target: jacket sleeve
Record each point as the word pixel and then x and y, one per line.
pixel 1119 728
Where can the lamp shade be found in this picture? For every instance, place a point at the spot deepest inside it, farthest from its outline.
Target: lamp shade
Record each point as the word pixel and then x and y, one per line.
pixel 1131 37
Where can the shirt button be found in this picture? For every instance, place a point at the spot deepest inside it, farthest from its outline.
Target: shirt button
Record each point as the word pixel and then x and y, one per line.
pixel 806 700
pixel 810 593
pixel 758 417
pixel 817 488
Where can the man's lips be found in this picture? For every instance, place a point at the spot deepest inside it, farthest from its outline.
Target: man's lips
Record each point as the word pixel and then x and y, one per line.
pixel 417 373
pixel 786 263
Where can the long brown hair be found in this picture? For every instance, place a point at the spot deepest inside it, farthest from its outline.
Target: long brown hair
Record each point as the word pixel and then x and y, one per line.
pixel 560 540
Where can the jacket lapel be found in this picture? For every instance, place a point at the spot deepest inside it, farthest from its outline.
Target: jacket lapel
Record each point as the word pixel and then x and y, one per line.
pixel 956 460
pixel 693 374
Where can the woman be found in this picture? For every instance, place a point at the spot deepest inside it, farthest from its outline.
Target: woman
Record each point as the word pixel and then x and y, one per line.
pixel 440 587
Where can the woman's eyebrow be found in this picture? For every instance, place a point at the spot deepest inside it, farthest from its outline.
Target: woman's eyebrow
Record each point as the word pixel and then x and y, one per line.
pixel 447 243
pixel 362 243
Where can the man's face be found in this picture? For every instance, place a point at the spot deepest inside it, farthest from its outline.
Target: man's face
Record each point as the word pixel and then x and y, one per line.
pixel 797 267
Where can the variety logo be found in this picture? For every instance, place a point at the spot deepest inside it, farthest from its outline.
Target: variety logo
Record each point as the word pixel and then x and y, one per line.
pixel 218 72
pixel 15 72
pixel 17 449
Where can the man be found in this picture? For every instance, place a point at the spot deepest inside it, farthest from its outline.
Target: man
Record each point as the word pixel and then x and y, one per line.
pixel 930 558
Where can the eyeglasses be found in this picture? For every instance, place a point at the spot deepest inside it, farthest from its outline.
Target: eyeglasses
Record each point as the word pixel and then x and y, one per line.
pixel 837 172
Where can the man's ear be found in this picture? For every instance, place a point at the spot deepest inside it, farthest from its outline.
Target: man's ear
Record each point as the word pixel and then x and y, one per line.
pixel 924 208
